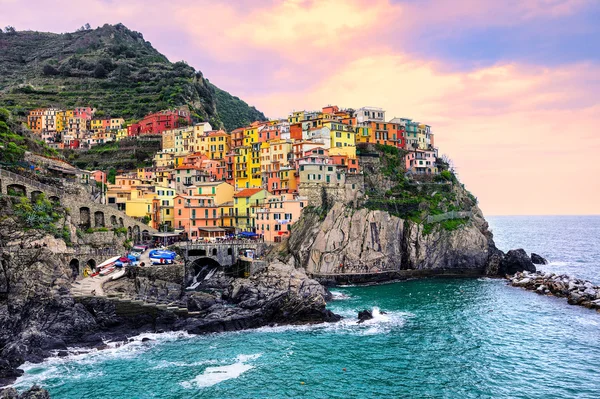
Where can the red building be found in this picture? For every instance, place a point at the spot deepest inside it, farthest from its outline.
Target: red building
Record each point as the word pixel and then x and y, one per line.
pixel 84 112
pixel 159 122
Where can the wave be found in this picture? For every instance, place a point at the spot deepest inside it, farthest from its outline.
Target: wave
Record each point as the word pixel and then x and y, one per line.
pixel 214 375
pixel 67 367
pixel 382 322
pixel 338 296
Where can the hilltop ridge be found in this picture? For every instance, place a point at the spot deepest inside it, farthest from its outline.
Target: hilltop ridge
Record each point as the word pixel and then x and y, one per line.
pixel 111 68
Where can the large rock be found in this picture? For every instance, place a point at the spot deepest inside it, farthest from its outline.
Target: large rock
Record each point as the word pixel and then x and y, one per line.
pixel 370 241
pixel 34 392
pixel 516 260
pixel 538 260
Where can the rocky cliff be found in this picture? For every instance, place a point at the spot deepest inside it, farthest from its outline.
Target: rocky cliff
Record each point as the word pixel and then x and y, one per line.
pixel 402 227
pixel 373 242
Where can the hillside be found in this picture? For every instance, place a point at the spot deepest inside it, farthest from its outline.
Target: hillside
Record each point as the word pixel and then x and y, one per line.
pixel 112 69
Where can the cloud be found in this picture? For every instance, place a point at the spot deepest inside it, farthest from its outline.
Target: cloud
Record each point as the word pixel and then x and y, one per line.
pixel 521 136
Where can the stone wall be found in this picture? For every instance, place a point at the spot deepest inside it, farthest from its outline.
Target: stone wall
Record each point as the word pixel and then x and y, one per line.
pixel 169 273
pixel 349 193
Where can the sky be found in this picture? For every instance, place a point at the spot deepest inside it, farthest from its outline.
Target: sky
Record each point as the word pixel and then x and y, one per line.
pixel 511 88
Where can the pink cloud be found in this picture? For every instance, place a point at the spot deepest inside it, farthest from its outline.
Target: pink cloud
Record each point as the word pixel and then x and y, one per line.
pixel 523 137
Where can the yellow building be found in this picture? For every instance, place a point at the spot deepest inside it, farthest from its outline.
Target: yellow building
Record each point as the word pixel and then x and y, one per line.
pixel 363 134
pixel 295 117
pixel 166 196
pixel 343 139
pixel 217 144
pixel 61 121
pixel 226 212
pixel 121 134
pixel 116 123
pixel 242 207
pixel 240 165
pixel 139 205
pixel 163 160
pixel 250 135
pixel 221 192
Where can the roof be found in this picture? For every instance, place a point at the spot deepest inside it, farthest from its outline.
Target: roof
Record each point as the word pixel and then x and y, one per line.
pixel 248 192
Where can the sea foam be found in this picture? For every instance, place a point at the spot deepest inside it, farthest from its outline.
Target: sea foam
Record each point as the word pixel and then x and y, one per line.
pixel 214 375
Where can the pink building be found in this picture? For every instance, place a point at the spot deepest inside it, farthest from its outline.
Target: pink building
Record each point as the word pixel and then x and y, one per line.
pixel 99 176
pixel 275 215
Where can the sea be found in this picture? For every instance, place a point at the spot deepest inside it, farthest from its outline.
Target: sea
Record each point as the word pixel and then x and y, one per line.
pixel 431 338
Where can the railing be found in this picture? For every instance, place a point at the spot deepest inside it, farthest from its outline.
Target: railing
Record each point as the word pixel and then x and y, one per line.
pixel 226 242
pixel 94 251
pixel 30 182
pixel 449 215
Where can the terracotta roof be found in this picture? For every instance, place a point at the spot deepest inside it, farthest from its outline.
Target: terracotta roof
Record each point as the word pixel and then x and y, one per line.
pixel 248 192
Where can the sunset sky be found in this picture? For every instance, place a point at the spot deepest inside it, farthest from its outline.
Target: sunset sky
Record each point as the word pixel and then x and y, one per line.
pixel 511 88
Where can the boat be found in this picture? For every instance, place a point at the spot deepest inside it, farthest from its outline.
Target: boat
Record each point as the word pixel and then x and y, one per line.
pixel 118 275
pixel 108 262
pixel 160 256
pixel 107 270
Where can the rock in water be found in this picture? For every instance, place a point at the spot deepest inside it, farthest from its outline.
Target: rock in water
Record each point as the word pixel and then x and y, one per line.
pixel 364 315
pixel 516 260
pixel 538 260
pixel 34 392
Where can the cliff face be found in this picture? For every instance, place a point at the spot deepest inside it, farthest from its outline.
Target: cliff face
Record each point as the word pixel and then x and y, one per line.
pixel 350 241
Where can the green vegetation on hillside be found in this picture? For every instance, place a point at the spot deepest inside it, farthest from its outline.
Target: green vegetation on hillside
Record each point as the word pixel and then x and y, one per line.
pixel 234 112
pixel 412 199
pixel 112 69
pixel 15 141
pixel 126 154
pixel 40 214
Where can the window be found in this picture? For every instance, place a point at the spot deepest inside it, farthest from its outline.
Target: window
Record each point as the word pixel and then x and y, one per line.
pixel 179 214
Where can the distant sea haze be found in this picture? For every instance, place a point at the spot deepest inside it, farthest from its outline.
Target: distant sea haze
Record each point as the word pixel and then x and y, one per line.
pixel 570 243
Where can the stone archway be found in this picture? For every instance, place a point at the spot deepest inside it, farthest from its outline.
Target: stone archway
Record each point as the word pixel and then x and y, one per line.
pixel 214 252
pixel 18 190
pixel 113 220
pixel 74 266
pixel 84 217
pixel 129 235
pixel 54 199
pixel 98 219
pixel 91 263
pixel 121 222
pixel 35 195
pixel 136 233
pixel 145 235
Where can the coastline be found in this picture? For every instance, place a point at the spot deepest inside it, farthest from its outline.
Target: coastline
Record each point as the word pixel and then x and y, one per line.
pixel 577 291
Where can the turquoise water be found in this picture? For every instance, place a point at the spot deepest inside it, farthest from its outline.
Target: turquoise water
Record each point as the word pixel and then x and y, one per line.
pixel 474 338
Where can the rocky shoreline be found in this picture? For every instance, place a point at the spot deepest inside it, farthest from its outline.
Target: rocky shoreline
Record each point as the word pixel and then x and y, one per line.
pixel 33 328
pixel 577 291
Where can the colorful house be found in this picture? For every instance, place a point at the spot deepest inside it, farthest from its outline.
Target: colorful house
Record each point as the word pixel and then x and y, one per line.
pixel 243 211
pixel 275 215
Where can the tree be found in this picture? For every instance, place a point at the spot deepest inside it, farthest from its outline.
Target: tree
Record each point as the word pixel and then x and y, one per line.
pixel 49 70
pixel 10 29
pixel 111 175
pixel 100 71
pixel 85 27
pixel 4 115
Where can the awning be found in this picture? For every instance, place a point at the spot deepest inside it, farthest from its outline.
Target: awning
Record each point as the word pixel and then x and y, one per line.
pixel 212 229
pixel 248 234
pixel 162 235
